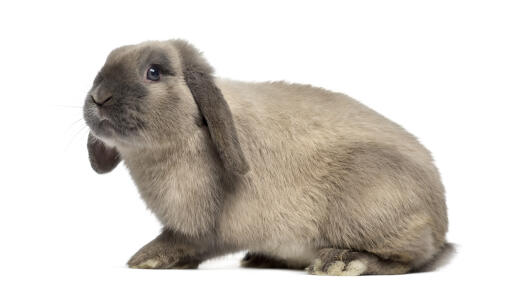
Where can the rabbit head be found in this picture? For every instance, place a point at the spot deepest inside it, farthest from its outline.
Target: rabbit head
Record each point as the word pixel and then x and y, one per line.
pixel 151 95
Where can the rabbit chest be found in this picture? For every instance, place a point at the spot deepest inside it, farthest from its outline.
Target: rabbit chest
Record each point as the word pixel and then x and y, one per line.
pixel 178 187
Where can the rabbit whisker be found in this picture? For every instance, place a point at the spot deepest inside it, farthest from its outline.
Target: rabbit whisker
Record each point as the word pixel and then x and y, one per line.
pixel 74 137
pixel 68 106
pixel 73 124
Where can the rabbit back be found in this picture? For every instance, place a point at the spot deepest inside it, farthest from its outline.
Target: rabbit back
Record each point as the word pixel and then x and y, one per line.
pixel 326 170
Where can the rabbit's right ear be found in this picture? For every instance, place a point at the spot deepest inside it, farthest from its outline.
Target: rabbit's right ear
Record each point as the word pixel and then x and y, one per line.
pixel 103 158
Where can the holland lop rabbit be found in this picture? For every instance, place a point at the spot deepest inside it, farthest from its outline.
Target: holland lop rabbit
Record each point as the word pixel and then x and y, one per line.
pixel 299 176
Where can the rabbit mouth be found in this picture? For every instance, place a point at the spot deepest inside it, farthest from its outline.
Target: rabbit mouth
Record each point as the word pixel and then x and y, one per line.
pixel 118 122
pixel 102 127
pixel 110 127
pixel 99 123
pixel 105 125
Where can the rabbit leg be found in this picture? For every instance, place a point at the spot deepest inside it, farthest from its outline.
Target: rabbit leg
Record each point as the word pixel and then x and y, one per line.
pixel 258 260
pixel 168 251
pixel 343 262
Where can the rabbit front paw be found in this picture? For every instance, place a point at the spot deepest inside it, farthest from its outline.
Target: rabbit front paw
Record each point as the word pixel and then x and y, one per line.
pixel 164 256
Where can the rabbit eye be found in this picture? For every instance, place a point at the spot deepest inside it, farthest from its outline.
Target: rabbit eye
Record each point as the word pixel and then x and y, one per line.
pixel 153 73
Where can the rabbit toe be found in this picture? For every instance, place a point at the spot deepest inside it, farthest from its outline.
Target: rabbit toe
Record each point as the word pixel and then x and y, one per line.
pixel 336 262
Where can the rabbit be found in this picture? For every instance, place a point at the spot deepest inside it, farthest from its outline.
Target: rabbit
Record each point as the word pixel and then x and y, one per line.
pixel 298 176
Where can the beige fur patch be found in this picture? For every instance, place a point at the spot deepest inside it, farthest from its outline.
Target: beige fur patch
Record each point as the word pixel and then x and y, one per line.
pixel 354 268
pixel 149 264
pixel 339 268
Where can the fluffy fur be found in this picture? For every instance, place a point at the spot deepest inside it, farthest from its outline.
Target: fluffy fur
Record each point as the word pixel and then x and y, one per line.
pixel 298 175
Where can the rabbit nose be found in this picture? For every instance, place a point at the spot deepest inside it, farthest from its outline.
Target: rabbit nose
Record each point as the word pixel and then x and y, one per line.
pixel 101 100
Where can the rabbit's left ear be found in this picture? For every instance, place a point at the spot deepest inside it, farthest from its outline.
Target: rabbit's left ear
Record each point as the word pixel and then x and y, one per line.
pixel 103 158
pixel 212 105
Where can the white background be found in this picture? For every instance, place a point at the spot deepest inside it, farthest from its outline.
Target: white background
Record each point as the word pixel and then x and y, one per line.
pixel 442 69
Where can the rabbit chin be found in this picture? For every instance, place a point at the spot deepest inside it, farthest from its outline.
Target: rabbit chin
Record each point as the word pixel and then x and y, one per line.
pixel 116 136
pixel 105 135
pixel 103 129
pixel 106 131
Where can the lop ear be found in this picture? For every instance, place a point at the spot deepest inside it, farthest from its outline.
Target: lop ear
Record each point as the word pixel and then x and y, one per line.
pixel 103 158
pixel 212 105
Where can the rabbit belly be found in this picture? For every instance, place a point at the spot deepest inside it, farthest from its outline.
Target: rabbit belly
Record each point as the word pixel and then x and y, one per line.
pixel 296 254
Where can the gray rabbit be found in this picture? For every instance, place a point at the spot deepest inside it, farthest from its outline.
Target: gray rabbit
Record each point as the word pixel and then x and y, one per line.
pixel 299 176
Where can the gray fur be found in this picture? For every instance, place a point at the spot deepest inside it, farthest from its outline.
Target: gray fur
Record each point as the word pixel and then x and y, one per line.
pixel 332 184
pixel 258 260
pixel 103 158
pixel 198 76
